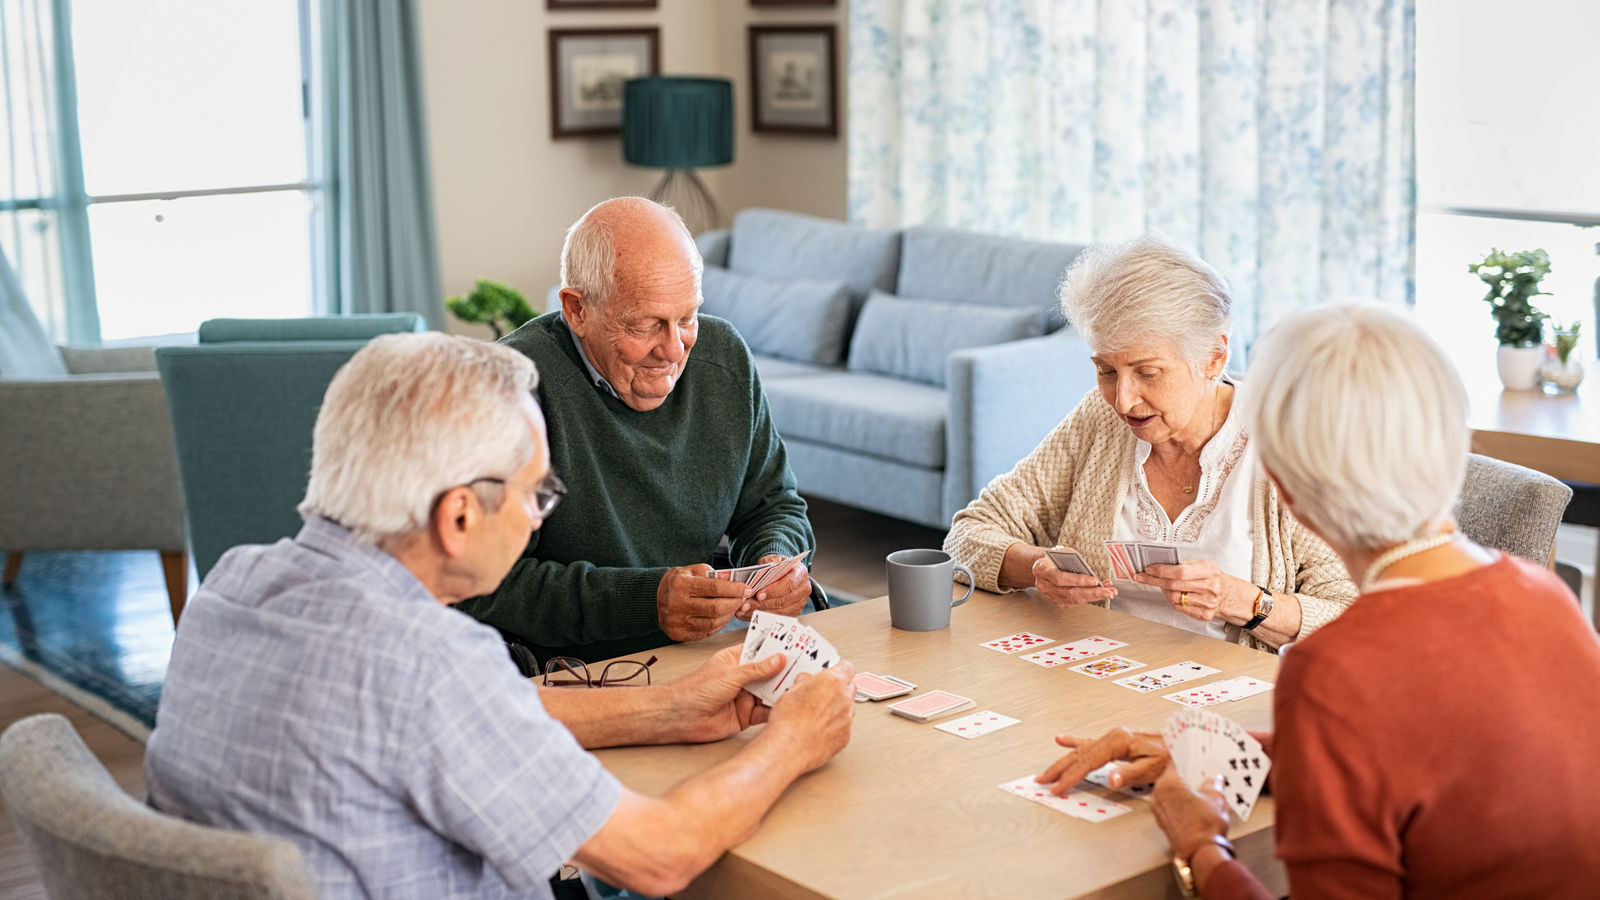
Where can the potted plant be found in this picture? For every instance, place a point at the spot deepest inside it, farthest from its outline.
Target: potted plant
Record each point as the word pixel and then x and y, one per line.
pixel 1513 280
pixel 499 306
pixel 1562 372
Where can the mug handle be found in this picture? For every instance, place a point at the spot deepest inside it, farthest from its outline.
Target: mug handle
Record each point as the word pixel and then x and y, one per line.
pixel 971 584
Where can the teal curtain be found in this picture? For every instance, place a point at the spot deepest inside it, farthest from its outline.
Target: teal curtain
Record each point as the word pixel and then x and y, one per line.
pixel 44 220
pixel 1273 137
pixel 380 245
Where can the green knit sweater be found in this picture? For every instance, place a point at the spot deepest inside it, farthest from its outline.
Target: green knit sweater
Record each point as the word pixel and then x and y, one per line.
pixel 646 491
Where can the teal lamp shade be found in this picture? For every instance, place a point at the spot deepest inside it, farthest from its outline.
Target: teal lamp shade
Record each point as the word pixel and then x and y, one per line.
pixel 672 122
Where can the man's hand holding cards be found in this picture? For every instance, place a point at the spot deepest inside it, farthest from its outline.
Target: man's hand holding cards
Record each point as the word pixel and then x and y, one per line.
pixel 803 649
pixel 785 580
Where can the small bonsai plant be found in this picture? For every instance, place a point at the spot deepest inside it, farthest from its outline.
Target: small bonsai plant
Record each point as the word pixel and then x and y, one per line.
pixel 493 304
pixel 1513 280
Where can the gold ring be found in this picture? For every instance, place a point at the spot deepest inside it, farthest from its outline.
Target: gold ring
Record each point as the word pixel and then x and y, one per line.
pixel 1183 599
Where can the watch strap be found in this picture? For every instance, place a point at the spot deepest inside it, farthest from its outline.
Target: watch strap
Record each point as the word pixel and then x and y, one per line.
pixel 1263 608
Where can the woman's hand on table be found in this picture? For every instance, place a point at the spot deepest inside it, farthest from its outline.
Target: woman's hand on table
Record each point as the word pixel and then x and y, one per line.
pixel 1142 753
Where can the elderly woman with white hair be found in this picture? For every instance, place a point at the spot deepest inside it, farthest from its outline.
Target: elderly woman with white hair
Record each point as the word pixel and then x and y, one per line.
pixel 1156 454
pixel 1439 739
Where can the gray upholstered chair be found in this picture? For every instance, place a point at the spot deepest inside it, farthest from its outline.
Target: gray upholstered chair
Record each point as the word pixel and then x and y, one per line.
pixel 243 402
pixel 1511 508
pixel 89 839
pixel 87 447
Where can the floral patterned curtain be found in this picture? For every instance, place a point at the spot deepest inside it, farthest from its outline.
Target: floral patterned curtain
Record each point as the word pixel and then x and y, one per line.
pixel 1274 137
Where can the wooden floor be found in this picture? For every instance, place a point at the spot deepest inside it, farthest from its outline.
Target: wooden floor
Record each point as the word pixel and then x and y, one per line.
pixel 849 561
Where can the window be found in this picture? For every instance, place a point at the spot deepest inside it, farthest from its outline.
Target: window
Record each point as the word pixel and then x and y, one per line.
pixel 194 148
pixel 1508 131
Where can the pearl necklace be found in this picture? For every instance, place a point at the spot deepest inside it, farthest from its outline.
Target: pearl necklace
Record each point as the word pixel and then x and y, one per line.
pixel 1395 554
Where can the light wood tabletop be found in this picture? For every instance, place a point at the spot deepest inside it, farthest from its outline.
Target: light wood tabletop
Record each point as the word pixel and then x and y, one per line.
pixel 907 810
pixel 1555 434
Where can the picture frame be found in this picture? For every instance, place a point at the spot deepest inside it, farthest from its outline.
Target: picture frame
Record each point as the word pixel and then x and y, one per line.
pixel 794 79
pixel 587 69
pixel 599 4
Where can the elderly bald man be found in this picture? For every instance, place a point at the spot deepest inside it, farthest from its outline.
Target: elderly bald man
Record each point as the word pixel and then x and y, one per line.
pixel 659 426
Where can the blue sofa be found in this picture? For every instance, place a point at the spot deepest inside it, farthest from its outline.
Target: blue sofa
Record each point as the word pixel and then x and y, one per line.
pixel 905 367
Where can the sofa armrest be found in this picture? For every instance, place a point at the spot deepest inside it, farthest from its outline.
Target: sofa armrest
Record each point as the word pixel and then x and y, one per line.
pixel 714 247
pixel 93 360
pixel 90 464
pixel 1003 400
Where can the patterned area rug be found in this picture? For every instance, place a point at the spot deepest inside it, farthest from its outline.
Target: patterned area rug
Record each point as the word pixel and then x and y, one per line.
pixel 95 628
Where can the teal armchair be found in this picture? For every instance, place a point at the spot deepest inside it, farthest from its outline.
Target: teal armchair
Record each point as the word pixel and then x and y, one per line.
pixel 243 403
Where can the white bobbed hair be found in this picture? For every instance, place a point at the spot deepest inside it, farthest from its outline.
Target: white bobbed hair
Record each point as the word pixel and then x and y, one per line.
pixel 1362 419
pixel 589 255
pixel 411 416
pixel 1147 291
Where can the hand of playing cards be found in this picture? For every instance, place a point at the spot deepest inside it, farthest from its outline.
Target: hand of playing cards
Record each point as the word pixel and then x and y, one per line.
pixel 803 649
pixel 1129 558
pixel 1203 744
pixel 760 576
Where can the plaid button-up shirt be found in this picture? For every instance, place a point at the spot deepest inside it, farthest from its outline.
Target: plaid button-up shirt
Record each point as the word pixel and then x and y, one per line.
pixel 317 691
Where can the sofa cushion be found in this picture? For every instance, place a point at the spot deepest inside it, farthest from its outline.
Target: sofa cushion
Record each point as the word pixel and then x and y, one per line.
pixel 796 319
pixel 771 367
pixel 25 350
pixel 958 266
pixel 358 327
pixel 913 338
pixel 785 246
pixel 887 417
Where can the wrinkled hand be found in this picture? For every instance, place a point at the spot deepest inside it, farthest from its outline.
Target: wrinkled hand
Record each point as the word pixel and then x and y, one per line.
pixel 1193 587
pixel 787 596
pixel 1068 589
pixel 816 713
pixel 1144 753
pixel 1190 818
pixel 690 604
pixel 711 702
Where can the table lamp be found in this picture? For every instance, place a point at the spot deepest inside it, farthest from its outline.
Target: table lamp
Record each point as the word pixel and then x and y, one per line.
pixel 679 124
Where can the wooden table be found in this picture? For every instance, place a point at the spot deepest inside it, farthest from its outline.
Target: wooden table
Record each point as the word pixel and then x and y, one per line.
pixel 1558 435
pixel 909 811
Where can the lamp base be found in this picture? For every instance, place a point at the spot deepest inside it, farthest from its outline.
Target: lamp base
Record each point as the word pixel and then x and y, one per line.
pixel 683 190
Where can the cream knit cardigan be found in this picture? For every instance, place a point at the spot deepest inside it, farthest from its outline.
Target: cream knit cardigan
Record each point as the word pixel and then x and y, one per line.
pixel 1069 489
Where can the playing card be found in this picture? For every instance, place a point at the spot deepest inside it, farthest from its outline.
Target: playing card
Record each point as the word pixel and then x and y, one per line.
pixel 1158 555
pixel 1102 777
pixel 1107 666
pixel 1119 561
pixel 1069 561
pixel 1166 676
pixel 976 725
pixel 1055 656
pixel 1081 804
pixel 1204 745
pixel 804 651
pixel 1013 643
pixel 880 687
pixel 931 705
pixel 1092 646
pixel 1219 691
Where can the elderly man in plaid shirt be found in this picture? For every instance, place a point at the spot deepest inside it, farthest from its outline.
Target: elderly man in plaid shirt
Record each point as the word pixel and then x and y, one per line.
pixel 321 689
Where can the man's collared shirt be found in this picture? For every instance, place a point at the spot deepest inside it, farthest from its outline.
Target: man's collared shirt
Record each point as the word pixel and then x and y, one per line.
pixel 595 377
pixel 318 692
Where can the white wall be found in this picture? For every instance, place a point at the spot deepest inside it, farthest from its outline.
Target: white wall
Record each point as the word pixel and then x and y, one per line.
pixel 505 192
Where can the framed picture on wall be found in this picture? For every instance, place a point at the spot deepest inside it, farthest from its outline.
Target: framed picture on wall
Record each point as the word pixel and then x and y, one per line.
pixel 599 4
pixel 794 83
pixel 587 69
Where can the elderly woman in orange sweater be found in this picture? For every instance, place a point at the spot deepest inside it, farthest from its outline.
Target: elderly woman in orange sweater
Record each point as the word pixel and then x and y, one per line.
pixel 1156 454
pixel 1441 737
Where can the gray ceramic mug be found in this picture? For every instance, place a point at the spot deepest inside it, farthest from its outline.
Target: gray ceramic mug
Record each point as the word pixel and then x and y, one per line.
pixel 919 589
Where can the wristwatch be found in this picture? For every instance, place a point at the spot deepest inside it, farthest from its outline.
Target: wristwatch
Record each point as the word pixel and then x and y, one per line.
pixel 1262 610
pixel 1183 875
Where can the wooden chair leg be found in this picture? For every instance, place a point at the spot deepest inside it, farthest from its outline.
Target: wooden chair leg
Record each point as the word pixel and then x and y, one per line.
pixel 13 566
pixel 176 567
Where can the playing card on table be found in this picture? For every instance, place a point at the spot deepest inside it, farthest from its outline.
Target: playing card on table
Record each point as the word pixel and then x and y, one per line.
pixel 1166 676
pixel 1102 777
pixel 1220 691
pixel 880 687
pixel 977 724
pixel 1013 643
pixel 930 706
pixel 1107 666
pixel 1091 646
pixel 1080 804
pixel 1069 561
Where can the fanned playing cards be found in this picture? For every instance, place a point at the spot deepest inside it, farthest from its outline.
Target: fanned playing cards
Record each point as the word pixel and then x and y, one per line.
pixel 804 650
pixel 1203 744
pixel 757 577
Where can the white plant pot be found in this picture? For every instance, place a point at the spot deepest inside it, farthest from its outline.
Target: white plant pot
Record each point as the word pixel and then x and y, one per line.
pixel 1519 366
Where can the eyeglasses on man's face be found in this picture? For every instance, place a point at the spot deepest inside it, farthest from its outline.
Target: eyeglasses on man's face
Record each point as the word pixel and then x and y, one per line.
pixel 539 498
pixel 564 671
